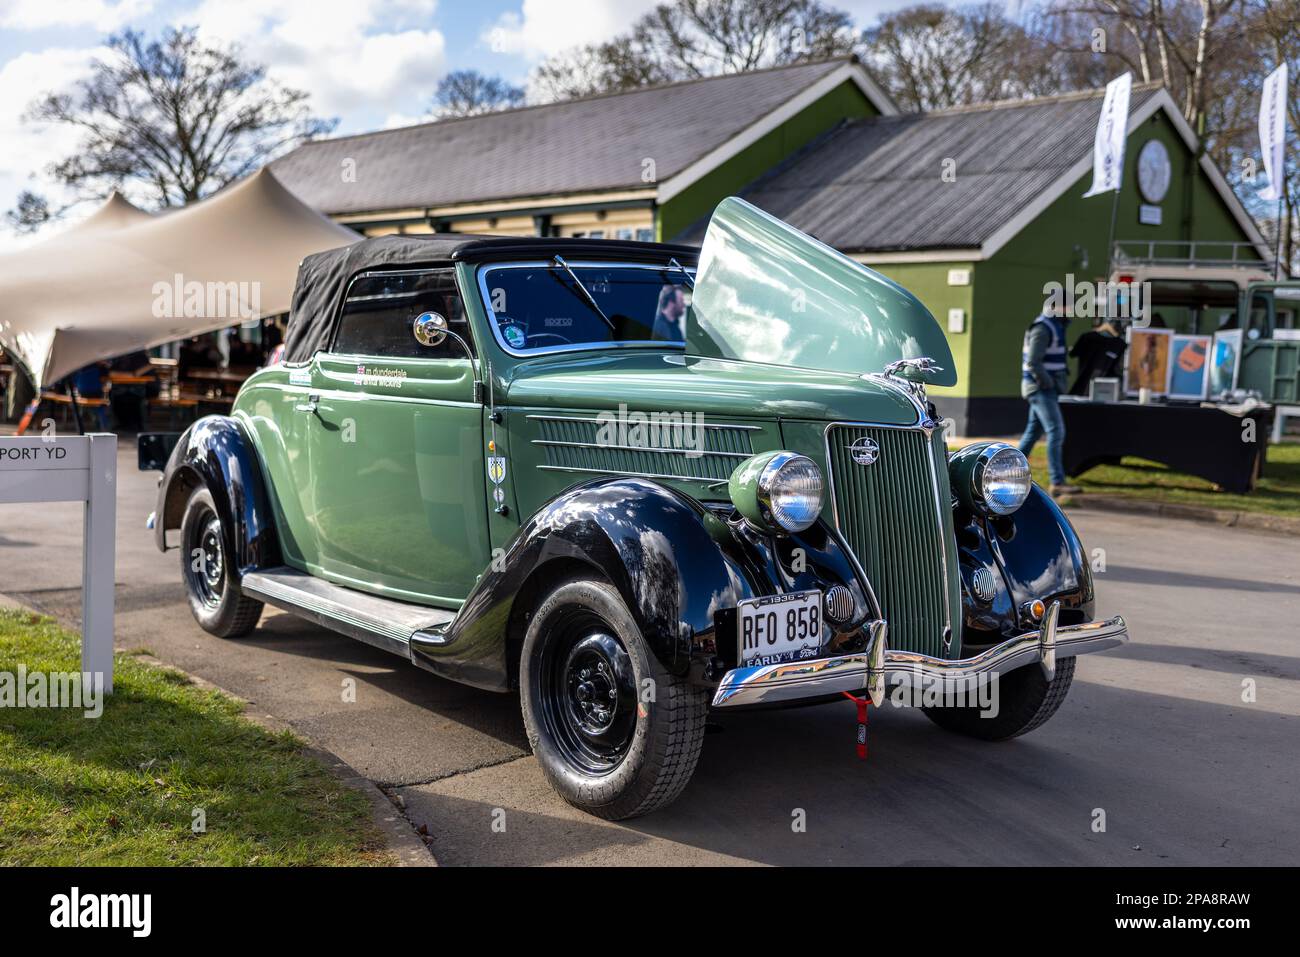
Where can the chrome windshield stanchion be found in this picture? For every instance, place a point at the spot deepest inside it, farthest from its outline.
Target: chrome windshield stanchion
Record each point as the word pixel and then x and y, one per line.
pixel 1047 640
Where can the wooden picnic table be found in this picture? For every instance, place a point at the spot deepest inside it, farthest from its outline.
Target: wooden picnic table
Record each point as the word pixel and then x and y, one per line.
pixel 125 378
pixel 218 375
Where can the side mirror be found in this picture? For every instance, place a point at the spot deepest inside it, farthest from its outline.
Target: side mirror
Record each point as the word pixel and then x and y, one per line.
pixel 430 329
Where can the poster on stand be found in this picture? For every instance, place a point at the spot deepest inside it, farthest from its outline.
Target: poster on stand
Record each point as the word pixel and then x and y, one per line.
pixel 1146 364
pixel 1189 367
pixel 1225 358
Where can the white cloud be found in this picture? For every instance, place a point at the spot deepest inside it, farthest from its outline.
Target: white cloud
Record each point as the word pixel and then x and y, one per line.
pixel 544 27
pixel 31 147
pixel 359 59
pixel 106 15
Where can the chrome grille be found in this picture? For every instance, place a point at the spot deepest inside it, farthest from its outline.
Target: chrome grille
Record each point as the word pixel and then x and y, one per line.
pixel 889 512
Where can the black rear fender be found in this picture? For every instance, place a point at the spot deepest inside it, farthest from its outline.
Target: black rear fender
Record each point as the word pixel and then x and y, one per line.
pixel 216 452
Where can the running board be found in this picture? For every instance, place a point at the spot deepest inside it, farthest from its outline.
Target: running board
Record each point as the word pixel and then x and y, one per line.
pixel 381 622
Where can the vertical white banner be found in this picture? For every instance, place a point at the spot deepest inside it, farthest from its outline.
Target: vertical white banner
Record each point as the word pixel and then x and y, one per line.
pixel 1112 132
pixel 1272 132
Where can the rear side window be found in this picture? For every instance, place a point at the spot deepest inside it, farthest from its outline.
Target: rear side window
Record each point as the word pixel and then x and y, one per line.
pixel 380 309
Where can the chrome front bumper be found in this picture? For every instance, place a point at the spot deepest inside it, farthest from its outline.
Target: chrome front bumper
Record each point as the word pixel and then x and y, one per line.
pixel 873 669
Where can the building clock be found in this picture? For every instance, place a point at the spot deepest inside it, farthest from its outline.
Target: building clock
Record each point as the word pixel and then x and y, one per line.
pixel 1153 171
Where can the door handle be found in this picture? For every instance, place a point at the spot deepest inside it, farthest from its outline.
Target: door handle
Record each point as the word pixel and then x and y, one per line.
pixel 308 406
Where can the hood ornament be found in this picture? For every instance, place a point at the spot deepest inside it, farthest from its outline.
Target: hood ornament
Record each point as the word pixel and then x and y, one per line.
pixel 912 373
pixel 912 369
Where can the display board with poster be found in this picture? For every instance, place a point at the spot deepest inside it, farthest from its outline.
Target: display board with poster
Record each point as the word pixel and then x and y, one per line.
pixel 1225 357
pixel 1147 364
pixel 1189 367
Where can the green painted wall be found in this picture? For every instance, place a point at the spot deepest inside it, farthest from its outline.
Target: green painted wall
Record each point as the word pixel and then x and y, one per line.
pixel 1009 287
pixel 929 283
pixel 846 101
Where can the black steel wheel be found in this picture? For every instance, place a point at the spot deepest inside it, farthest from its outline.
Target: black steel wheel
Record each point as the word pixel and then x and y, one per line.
pixel 615 733
pixel 589 704
pixel 210 581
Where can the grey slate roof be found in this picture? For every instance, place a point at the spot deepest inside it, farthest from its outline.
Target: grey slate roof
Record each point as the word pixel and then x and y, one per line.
pixel 874 185
pixel 590 144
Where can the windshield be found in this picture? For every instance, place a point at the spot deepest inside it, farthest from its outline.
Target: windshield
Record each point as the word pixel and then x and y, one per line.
pixel 571 305
pixel 765 292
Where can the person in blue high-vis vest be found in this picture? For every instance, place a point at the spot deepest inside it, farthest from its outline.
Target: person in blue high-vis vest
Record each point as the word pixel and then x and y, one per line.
pixel 1043 380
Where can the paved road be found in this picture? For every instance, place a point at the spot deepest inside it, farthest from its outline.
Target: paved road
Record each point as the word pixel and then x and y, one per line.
pixel 1156 735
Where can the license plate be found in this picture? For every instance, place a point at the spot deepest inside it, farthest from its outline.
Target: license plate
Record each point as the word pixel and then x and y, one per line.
pixel 780 628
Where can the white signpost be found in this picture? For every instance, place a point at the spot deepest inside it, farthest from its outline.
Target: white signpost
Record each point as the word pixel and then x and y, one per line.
pixel 75 468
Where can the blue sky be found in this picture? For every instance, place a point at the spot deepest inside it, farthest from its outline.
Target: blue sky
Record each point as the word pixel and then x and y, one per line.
pixel 371 63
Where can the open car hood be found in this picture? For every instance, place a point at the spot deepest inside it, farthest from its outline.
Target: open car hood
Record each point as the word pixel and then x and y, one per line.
pixel 765 292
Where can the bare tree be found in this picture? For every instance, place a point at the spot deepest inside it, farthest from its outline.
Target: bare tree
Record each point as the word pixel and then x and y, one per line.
pixel 932 56
pixel 30 214
pixel 687 39
pixel 1182 44
pixel 175 117
pixel 471 93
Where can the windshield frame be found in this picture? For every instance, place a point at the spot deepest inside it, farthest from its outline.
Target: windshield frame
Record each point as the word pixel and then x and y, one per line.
pixel 485 299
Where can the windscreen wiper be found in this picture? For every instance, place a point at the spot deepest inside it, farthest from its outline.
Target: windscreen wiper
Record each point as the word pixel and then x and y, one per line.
pixel 591 300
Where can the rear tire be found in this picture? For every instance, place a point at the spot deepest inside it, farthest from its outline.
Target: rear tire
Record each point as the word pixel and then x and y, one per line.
pixel 1025 700
pixel 215 599
pixel 602 745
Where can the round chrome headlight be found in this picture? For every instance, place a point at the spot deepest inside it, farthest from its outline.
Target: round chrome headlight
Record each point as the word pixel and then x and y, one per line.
pixel 778 491
pixel 1001 479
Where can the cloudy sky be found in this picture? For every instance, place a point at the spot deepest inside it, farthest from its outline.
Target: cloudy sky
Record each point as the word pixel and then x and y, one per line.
pixel 371 63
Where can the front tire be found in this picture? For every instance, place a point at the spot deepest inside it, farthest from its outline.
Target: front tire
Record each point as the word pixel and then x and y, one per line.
pixel 616 734
pixel 218 605
pixel 1026 699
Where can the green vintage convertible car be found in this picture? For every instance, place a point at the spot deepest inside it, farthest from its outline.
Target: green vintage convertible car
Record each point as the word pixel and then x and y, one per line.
pixel 634 482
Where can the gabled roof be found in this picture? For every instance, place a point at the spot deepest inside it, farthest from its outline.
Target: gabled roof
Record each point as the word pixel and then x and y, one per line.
pixel 874 185
pixel 591 144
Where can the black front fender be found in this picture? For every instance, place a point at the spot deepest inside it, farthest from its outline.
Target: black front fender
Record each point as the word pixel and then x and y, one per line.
pixel 1034 553
pixel 679 566
pixel 216 452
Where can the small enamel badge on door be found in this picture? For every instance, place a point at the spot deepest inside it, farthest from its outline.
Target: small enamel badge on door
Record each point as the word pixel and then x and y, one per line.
pixel 496 469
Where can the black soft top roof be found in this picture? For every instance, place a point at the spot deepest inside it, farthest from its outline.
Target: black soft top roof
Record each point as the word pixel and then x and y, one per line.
pixel 323 276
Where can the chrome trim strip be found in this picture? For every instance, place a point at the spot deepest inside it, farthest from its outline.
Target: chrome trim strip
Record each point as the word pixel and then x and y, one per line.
pixel 879 665
pixel 697 453
pixel 703 479
pixel 598 421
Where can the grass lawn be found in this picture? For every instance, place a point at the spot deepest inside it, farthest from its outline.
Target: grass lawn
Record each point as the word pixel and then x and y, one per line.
pixel 122 789
pixel 1276 493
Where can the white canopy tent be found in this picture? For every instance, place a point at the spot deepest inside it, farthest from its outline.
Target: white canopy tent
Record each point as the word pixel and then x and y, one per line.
pixel 125 280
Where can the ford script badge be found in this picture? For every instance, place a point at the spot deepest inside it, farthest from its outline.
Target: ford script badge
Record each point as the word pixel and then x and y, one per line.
pixel 865 451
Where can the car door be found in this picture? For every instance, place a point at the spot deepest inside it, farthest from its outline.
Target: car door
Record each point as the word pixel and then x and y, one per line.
pixel 397 442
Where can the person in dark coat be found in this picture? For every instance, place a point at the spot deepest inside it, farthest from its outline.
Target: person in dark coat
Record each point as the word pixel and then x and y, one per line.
pixel 1042 381
pixel 1100 352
